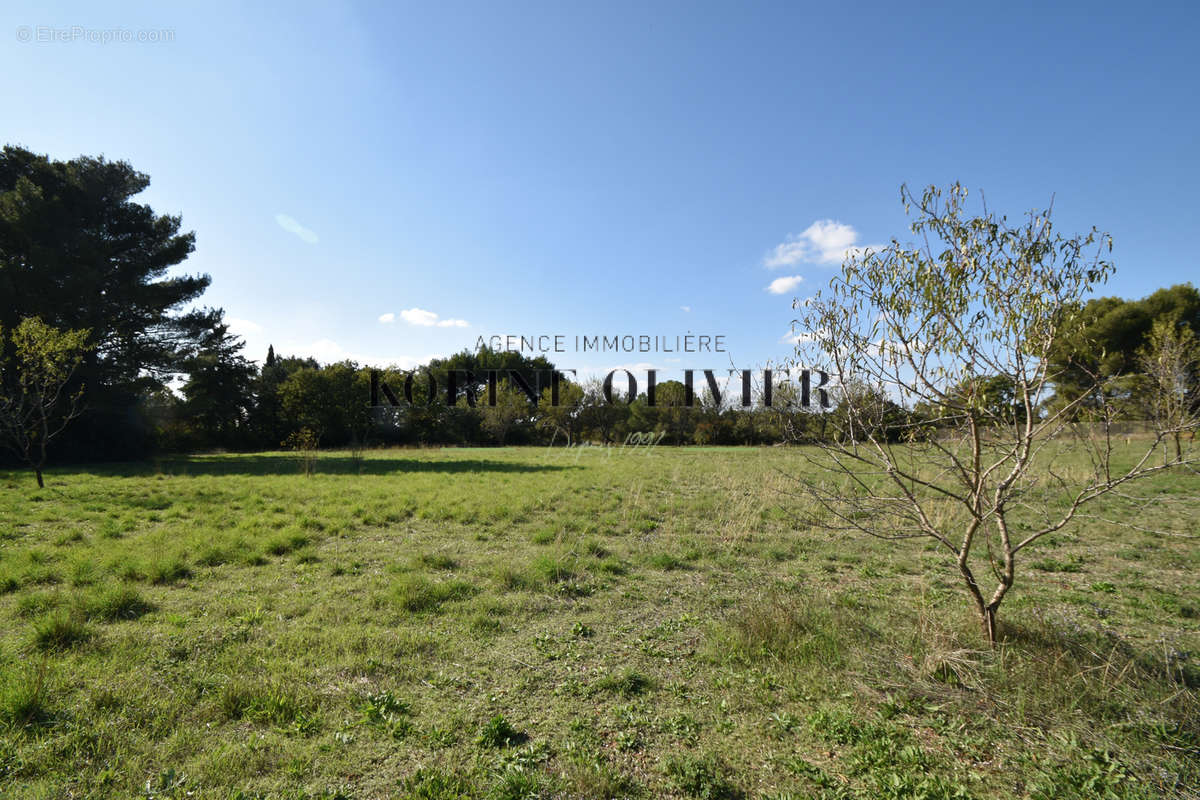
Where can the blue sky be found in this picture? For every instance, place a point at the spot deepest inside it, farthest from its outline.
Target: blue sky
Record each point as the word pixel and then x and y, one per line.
pixel 604 168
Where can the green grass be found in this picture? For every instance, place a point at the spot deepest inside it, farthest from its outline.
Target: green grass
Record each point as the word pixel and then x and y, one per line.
pixel 516 623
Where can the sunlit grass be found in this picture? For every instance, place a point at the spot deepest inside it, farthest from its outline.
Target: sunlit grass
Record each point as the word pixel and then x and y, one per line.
pixel 525 623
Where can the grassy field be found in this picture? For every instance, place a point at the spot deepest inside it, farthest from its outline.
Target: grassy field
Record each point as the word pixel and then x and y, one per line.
pixel 524 623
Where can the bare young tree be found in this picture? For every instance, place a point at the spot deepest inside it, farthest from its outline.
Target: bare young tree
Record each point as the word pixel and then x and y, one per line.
pixel 564 419
pixel 1170 363
pixel 599 418
pixel 940 430
pixel 36 365
pixel 511 408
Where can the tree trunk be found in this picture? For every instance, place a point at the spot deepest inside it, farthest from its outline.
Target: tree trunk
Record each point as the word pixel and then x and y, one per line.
pixel 988 623
pixel 38 471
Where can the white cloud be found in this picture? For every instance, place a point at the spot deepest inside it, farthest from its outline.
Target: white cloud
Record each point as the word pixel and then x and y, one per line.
pixel 387 318
pixel 688 309
pixel 428 319
pixel 831 239
pixel 292 226
pixel 787 254
pixel 798 337
pixel 619 380
pixel 784 285
pixel 327 351
pixel 241 327
pixel 826 241
pixel 419 316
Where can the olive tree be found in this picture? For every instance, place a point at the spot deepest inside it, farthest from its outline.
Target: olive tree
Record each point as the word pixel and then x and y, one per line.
pixel 929 330
pixel 1170 364
pixel 36 403
pixel 564 418
pixel 512 407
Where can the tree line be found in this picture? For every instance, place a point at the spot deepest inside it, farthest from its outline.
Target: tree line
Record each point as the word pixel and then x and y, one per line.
pixel 96 330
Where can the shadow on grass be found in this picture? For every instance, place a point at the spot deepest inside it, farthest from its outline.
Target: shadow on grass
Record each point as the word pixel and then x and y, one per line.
pixel 287 464
pixel 1063 642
